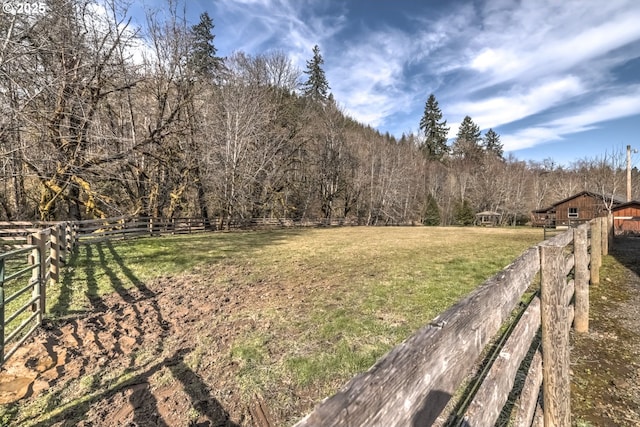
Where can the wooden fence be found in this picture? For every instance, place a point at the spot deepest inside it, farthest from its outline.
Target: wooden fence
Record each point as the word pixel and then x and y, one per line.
pixel 414 383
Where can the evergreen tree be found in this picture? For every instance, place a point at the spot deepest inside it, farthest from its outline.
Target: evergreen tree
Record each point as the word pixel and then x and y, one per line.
pixel 202 56
pixel 492 144
pixel 435 130
pixel 463 213
pixel 468 140
pixel 432 212
pixel 316 87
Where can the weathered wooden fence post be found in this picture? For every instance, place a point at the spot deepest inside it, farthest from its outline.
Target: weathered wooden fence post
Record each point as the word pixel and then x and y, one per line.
pixel 74 235
pixel 2 314
pixel 580 245
pixel 604 230
pixel 62 229
pixel 596 250
pixel 123 227
pixel 55 254
pixel 68 236
pixel 610 231
pixel 38 275
pixel 555 337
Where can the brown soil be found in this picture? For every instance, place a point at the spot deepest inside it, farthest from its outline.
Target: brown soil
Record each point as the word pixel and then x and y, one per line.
pixel 606 361
pixel 135 361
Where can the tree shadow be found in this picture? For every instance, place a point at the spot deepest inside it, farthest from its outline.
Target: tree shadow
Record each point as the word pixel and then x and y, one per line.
pixel 144 403
pixel 92 292
pixel 626 249
pixel 433 405
pixel 127 296
pixel 66 289
pixel 145 406
pixel 200 395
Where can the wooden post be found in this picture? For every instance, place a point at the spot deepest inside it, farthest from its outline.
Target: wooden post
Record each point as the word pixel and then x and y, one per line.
pixel 74 235
pixel 68 236
pixel 610 230
pixel 38 275
pixel 62 230
pixel 596 250
pixel 2 275
pixel 55 255
pixel 604 230
pixel 581 319
pixel 555 338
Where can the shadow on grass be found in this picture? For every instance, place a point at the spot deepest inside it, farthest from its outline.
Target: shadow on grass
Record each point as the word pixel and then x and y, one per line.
pixel 64 300
pixel 626 249
pixel 171 254
pixel 127 296
pixel 144 404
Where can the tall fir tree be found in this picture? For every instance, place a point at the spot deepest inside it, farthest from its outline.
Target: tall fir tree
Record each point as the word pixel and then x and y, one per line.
pixel 463 213
pixel 202 56
pixel 431 212
pixel 435 130
pixel 316 87
pixel 468 140
pixel 491 143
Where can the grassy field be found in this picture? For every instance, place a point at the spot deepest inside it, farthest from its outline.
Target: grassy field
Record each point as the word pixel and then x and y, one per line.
pixel 327 302
pixel 383 267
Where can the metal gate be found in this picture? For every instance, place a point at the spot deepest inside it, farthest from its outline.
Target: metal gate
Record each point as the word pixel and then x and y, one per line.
pixel 21 295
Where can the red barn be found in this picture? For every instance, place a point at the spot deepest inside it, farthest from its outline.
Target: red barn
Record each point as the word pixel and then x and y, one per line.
pixel 626 218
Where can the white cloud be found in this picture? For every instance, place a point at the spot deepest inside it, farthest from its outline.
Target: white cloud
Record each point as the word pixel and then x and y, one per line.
pixel 520 102
pixel 368 75
pixel 612 108
pixel 584 119
pixel 529 137
pixel 261 25
pixel 532 39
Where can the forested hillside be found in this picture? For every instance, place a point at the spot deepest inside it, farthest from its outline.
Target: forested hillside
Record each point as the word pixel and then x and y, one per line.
pixel 100 118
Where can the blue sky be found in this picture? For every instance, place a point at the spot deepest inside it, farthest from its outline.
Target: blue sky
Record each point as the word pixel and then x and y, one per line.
pixel 556 79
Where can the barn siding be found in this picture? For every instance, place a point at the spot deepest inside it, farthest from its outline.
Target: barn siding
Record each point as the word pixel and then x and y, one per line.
pixel 627 218
pixel 589 207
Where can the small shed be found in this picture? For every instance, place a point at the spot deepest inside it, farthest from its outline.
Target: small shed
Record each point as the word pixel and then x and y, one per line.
pixel 626 218
pixel 488 218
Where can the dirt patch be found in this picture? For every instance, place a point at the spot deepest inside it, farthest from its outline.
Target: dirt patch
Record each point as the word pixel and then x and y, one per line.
pixel 158 355
pixel 606 362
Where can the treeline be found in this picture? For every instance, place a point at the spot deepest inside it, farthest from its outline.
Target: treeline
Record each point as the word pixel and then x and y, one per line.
pixel 101 119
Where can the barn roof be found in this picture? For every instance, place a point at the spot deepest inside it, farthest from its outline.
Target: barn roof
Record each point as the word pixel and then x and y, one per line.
pixel 632 203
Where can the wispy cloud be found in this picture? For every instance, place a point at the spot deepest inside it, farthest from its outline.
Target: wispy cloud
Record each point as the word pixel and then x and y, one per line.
pixel 580 120
pixel 519 102
pixel 555 38
pixel 257 26
pixel 368 75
